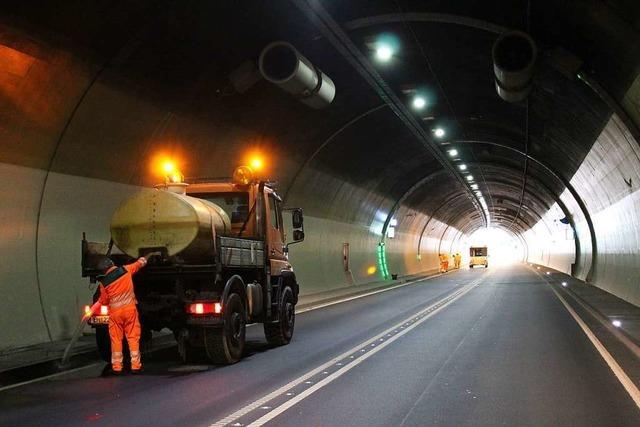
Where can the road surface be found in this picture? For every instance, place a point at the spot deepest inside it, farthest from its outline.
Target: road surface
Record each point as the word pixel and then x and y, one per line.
pixel 472 347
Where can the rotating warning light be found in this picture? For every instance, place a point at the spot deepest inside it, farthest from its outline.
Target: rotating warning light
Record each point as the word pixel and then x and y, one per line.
pixel 168 167
pixel 256 163
pixel 243 175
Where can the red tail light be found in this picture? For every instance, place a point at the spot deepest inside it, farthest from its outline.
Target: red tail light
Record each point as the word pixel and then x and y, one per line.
pixel 204 308
pixel 104 310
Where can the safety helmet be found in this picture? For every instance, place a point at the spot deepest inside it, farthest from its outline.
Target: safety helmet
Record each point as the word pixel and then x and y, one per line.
pixel 103 263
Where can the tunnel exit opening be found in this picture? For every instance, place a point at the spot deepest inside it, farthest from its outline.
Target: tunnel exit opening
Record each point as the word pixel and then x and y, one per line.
pixel 503 248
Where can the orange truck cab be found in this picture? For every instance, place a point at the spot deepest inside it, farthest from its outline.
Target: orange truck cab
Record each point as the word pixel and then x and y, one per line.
pixel 224 267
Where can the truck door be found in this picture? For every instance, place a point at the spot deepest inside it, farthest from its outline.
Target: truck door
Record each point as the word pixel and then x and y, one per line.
pixel 275 231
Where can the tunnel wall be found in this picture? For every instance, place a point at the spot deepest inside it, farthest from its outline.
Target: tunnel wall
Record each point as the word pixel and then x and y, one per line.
pixel 44 301
pixel 608 181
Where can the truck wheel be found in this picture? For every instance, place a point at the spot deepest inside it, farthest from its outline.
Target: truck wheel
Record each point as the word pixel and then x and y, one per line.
pixel 281 331
pixel 225 345
pixel 103 342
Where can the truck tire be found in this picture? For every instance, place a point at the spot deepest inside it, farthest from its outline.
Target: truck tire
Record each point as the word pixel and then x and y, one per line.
pixel 225 345
pixel 281 331
pixel 103 343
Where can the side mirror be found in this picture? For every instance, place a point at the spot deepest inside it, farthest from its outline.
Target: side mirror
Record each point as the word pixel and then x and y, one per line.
pixel 298 236
pixel 297 218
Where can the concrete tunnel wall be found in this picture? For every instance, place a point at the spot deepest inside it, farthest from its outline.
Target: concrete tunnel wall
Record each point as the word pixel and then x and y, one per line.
pixel 64 106
pixel 607 181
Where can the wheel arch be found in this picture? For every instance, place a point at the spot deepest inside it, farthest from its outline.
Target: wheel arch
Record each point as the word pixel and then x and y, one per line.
pixel 289 279
pixel 237 285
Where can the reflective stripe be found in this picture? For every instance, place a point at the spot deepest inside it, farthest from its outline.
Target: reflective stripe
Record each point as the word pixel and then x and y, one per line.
pixel 142 261
pixel 122 300
pixel 135 357
pixel 116 357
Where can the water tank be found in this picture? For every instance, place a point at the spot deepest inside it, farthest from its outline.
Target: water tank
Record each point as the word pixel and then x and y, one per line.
pixel 185 226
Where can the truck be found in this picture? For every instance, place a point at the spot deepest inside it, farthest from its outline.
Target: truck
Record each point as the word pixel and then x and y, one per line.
pixel 223 263
pixel 478 256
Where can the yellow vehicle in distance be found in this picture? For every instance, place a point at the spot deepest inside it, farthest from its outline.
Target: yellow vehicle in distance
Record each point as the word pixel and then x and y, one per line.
pixel 478 256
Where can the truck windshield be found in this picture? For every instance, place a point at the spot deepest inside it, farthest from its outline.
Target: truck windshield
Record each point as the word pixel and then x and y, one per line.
pixel 236 205
pixel 478 251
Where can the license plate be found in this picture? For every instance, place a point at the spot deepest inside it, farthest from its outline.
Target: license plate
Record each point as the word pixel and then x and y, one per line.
pixel 100 320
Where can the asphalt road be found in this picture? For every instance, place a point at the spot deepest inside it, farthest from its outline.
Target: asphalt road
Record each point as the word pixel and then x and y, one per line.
pixel 473 347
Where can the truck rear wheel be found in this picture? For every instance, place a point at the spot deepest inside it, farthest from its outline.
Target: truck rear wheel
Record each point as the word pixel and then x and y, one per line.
pixel 225 345
pixel 281 331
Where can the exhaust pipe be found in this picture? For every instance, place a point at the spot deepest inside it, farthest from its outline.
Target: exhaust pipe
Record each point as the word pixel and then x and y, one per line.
pixel 514 57
pixel 281 64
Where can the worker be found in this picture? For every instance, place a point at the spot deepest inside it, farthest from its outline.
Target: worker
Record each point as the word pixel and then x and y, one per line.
pixel 116 291
pixel 457 259
pixel 443 263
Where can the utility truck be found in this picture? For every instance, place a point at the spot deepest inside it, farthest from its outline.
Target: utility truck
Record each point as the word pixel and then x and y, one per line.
pixel 478 256
pixel 223 263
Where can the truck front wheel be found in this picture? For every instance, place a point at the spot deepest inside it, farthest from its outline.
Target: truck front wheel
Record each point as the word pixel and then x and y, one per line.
pixel 225 345
pixel 281 331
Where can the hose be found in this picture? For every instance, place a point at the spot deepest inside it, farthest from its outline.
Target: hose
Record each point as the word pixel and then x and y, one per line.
pixel 74 338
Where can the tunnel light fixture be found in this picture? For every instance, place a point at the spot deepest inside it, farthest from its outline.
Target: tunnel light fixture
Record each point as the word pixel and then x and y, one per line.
pixel 453 152
pixel 616 323
pixel 419 102
pixel 474 186
pixel 384 53
pixel 462 167
pixel 469 177
pixel 548 272
pixel 439 132
pixel 564 284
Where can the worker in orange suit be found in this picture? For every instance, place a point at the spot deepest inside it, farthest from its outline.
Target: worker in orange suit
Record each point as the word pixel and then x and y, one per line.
pixel 457 259
pixel 116 291
pixel 443 263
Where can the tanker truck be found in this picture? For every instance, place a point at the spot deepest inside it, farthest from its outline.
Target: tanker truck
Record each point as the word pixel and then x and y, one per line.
pixel 222 264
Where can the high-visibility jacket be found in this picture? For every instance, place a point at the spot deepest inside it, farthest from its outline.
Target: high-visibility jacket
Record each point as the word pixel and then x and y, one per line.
pixel 116 286
pixel 116 291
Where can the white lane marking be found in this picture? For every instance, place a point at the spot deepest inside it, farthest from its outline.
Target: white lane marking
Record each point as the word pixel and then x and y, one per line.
pixel 327 304
pixel 624 379
pixel 35 380
pixel 427 312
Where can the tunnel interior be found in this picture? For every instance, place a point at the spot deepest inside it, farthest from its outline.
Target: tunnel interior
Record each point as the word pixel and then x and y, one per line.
pixel 93 93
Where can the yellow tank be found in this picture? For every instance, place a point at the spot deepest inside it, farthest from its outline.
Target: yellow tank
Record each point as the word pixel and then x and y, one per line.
pixel 184 225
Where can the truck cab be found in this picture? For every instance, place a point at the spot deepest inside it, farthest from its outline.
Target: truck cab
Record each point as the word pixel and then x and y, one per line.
pixel 222 268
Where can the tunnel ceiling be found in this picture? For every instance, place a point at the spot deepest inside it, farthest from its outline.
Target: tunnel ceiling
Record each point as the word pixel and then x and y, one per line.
pixel 177 57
